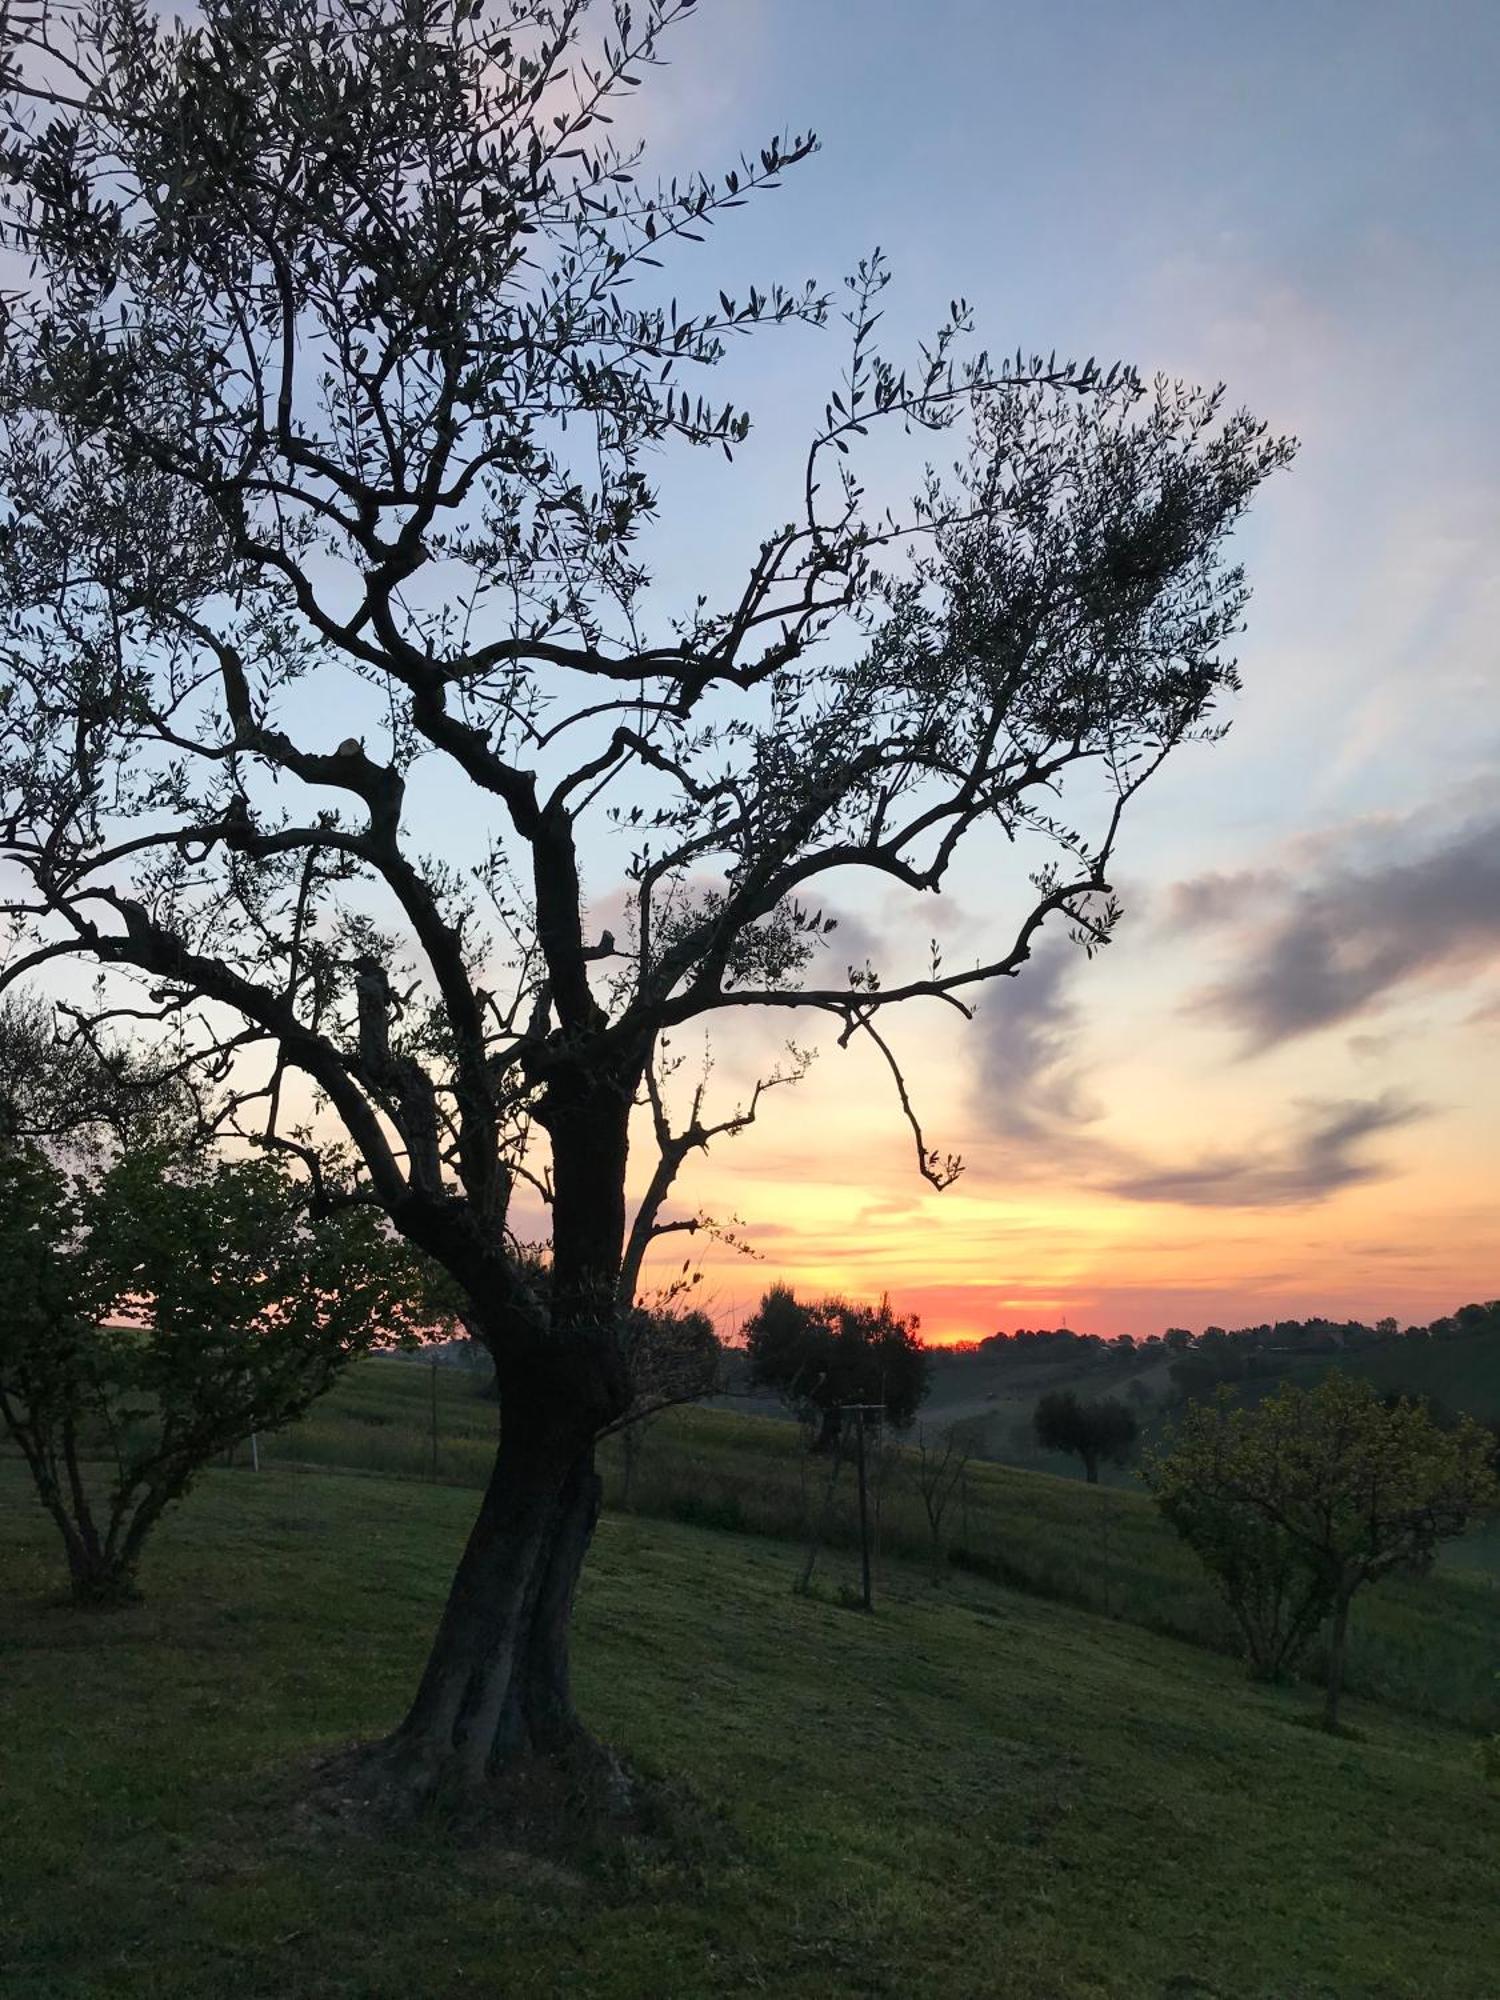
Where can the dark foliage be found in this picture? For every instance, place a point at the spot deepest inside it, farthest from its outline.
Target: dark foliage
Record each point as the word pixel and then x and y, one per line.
pixel 158 1311
pixel 1098 1433
pixel 821 1357
pixel 1299 1504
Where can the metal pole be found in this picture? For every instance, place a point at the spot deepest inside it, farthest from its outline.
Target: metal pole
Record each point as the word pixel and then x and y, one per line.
pixel 254 1452
pixel 864 1511
pixel 434 1419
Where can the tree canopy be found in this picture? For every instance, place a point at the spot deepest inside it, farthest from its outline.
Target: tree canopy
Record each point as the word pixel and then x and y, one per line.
pixel 1297 1504
pixel 160 1309
pixel 338 410
pixel 1098 1433
pixel 823 1356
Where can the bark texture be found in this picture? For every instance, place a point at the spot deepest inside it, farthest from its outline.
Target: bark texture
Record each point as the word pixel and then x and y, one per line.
pixel 496 1692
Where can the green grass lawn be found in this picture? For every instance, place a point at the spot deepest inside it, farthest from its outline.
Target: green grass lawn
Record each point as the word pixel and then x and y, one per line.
pixel 974 1793
pixel 1431 1646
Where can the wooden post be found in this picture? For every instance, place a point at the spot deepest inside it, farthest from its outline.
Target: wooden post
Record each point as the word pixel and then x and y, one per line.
pixel 434 1420
pixel 864 1510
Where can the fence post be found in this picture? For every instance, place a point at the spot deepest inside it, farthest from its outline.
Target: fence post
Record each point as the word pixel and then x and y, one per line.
pixel 433 1473
pixel 864 1511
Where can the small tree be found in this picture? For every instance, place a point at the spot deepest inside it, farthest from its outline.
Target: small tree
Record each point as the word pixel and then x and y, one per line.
pixel 822 1357
pixel 1277 1601
pixel 675 1358
pixel 1295 1506
pixel 158 1311
pixel 1098 1433
pixel 942 1460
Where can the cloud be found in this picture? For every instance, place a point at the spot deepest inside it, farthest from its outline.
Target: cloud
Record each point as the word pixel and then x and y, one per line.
pixel 1216 899
pixel 1321 951
pixel 1037 1114
pixel 1326 1153
pixel 1030 1080
pixel 853 941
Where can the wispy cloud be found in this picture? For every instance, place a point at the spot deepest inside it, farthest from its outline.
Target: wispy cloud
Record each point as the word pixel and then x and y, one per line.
pixel 1315 952
pixel 1325 1150
pixel 1038 1116
pixel 1031 1079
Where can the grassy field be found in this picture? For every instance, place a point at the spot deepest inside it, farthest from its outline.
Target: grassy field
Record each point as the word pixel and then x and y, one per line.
pixel 1431 1646
pixel 975 1793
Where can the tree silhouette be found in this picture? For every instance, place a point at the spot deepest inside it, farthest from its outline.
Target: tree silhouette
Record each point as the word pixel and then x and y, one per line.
pixel 159 1309
pixel 824 1356
pixel 675 1358
pixel 335 408
pixel 1098 1433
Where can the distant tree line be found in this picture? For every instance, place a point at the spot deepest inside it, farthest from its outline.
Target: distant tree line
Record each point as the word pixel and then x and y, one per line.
pixel 1220 1354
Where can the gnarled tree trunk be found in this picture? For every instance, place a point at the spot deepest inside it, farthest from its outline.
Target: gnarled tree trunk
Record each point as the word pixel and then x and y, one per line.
pixel 496 1689
pixel 495 1693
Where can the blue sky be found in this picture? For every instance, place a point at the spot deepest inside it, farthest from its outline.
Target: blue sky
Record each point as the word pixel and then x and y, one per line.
pixel 1278 1091
pixel 1299 200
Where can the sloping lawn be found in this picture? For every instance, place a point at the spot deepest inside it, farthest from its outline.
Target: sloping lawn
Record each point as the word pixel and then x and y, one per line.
pixel 973 1793
pixel 1430 1645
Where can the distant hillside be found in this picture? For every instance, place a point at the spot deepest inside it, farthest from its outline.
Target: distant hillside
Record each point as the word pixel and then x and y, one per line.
pixel 995 1385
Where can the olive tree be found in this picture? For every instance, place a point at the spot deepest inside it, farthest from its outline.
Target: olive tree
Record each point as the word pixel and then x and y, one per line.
pixel 65 1090
pixel 1296 1505
pixel 1098 1432
pixel 675 1358
pixel 339 405
pixel 820 1357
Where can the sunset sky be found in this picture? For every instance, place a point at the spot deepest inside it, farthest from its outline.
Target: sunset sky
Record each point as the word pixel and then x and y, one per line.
pixel 1279 1091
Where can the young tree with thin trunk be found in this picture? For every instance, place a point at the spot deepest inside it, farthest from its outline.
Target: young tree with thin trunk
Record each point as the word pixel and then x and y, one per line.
pixel 674 1358
pixel 1297 1505
pixel 335 416
pixel 158 1309
pixel 941 1464
pixel 821 1358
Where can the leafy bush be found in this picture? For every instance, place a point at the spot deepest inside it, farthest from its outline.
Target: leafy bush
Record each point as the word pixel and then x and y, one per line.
pixel 159 1310
pixel 1295 1506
